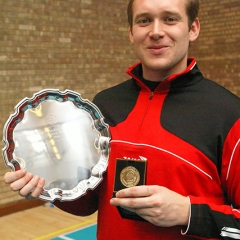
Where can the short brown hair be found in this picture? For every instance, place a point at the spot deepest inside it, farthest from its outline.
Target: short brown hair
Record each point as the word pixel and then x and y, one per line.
pixel 192 8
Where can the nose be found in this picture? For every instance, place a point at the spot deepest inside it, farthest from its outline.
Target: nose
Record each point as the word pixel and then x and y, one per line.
pixel 157 30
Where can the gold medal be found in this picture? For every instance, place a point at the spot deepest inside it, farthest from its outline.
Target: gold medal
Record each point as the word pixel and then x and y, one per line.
pixel 129 176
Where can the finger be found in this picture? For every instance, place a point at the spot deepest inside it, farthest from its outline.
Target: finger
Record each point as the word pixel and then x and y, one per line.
pixel 134 192
pixel 21 182
pixel 38 189
pixel 32 187
pixel 10 177
pixel 131 203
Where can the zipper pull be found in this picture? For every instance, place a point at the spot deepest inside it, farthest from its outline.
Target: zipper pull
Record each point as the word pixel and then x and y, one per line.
pixel 151 95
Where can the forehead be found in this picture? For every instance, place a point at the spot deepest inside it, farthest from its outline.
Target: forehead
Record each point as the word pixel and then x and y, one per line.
pixel 159 6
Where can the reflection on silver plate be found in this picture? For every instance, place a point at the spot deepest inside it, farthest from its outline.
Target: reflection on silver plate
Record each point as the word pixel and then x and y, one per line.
pixel 61 137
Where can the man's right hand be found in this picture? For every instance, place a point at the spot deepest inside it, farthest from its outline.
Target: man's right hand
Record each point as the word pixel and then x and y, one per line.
pixel 25 183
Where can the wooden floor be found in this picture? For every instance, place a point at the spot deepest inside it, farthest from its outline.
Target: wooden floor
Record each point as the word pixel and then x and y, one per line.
pixel 40 223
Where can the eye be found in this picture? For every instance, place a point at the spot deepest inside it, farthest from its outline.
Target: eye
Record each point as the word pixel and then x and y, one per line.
pixel 171 20
pixel 143 21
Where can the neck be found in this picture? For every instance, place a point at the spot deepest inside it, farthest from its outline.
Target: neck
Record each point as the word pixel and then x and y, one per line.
pixel 155 76
pixel 158 75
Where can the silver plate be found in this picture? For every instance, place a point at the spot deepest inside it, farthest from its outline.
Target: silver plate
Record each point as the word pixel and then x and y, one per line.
pixel 60 137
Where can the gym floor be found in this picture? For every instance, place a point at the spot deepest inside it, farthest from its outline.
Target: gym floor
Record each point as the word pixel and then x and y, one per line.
pixel 47 222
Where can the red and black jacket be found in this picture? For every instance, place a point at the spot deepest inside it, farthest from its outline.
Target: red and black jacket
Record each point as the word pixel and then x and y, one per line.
pixel 188 129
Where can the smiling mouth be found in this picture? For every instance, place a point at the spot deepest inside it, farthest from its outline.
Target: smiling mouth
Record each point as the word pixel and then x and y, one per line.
pixel 157 49
pixel 157 46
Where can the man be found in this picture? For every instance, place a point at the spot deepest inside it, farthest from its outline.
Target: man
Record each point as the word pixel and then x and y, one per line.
pixel 185 127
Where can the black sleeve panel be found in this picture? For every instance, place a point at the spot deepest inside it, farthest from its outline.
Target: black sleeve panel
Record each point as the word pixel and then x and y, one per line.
pixel 119 100
pixel 206 219
pixel 201 114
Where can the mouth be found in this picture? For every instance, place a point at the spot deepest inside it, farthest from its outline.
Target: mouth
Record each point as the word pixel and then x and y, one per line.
pixel 156 47
pixel 159 49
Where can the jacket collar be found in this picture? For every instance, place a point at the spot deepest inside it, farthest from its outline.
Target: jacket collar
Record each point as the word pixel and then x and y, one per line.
pixel 184 78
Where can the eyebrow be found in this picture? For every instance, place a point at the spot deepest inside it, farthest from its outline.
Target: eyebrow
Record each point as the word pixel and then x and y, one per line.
pixel 144 14
pixel 177 14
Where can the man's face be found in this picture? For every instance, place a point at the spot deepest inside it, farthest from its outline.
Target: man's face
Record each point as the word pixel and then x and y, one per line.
pixel 160 34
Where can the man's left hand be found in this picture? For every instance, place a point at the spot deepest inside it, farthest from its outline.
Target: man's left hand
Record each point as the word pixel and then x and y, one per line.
pixel 158 205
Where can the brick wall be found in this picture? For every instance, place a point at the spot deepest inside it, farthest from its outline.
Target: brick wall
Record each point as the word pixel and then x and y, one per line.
pixel 218 47
pixel 83 45
pixel 80 45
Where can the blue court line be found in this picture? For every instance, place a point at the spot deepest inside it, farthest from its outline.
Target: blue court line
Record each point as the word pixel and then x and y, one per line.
pixel 87 233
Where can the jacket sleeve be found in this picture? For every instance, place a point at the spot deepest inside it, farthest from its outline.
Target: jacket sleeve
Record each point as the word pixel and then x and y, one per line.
pixel 83 206
pixel 211 221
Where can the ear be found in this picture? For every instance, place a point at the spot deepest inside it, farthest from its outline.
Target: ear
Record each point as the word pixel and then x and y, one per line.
pixel 130 35
pixel 194 30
